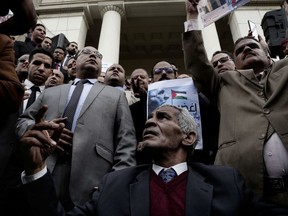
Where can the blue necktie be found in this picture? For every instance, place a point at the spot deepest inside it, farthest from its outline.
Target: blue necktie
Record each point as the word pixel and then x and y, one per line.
pixel 167 175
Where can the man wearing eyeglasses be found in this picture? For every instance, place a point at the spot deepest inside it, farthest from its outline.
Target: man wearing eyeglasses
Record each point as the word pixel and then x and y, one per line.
pixel 253 103
pixel 223 61
pixel 163 71
pixel 99 136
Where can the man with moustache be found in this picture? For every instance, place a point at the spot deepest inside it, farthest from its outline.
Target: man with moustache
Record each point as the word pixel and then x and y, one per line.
pixel 253 103
pixel 71 50
pixel 99 136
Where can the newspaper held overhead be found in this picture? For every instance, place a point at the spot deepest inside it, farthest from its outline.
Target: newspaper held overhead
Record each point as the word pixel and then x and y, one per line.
pixel 178 92
pixel 212 10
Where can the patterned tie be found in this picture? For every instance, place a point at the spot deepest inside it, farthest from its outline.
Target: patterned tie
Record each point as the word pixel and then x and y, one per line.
pixel 32 97
pixel 167 175
pixel 72 105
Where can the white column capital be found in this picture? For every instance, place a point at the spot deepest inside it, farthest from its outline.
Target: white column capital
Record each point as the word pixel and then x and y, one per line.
pixel 112 8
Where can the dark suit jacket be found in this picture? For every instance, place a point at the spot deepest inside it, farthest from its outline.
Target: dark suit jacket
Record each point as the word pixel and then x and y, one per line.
pixel 11 89
pixel 22 48
pixel 211 190
pixel 104 138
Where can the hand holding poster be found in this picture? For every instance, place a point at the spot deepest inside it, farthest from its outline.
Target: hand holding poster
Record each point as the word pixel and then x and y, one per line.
pixel 212 10
pixel 178 92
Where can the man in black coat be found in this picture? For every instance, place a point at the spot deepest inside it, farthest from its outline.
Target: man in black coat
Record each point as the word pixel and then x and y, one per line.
pixel 169 136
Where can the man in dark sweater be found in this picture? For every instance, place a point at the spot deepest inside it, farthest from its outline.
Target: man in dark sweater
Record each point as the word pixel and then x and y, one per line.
pixel 167 187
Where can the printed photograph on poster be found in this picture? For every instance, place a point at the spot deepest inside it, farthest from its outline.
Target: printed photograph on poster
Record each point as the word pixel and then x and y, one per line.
pixel 178 92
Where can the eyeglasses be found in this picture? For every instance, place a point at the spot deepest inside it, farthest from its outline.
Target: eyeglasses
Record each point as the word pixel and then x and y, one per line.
pixel 22 60
pixel 221 61
pixel 89 52
pixel 167 70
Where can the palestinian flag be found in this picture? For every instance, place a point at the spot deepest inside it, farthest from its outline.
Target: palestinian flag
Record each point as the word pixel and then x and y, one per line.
pixel 179 95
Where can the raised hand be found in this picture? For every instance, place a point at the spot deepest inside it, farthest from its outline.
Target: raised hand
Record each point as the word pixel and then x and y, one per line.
pixel 191 9
pixel 37 145
pixel 139 89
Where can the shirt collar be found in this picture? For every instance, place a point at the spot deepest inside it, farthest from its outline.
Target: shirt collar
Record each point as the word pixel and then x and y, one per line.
pixel 28 84
pixel 179 168
pixel 92 81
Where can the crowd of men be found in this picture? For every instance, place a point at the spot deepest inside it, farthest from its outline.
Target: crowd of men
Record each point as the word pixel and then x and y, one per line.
pixel 76 139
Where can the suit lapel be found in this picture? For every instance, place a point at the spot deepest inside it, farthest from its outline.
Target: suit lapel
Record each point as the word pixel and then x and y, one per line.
pixel 249 74
pixel 63 98
pixel 198 196
pixel 140 195
pixel 95 90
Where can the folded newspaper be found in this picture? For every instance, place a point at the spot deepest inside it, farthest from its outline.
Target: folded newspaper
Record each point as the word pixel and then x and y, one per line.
pixel 212 10
pixel 178 92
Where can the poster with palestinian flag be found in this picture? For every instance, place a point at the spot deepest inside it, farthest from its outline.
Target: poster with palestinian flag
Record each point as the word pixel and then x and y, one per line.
pixel 178 92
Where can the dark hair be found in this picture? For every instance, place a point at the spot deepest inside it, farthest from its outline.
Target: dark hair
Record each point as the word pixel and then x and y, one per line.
pixel 263 46
pixel 225 52
pixel 43 51
pixel 245 38
pixel 38 24
pixel 48 38
pixel 72 42
pixel 58 47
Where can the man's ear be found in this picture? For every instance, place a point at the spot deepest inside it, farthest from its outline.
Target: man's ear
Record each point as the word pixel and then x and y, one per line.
pixel 189 139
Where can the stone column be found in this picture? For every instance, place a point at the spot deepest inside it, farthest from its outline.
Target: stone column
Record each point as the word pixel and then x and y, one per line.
pixel 73 26
pixel 109 41
pixel 211 40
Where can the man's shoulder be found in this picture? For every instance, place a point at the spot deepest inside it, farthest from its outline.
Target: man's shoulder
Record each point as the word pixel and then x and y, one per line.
pixel 56 88
pixel 281 62
pixel 19 43
pixel 110 90
pixel 214 171
pixel 130 171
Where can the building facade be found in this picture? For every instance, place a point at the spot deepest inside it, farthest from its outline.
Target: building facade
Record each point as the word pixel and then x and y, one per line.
pixel 139 33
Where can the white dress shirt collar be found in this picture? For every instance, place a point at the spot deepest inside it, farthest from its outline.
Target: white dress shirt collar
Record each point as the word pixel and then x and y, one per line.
pixel 28 84
pixel 92 81
pixel 179 168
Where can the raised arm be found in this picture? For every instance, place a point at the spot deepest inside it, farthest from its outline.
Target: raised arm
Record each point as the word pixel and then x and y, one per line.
pixel 24 16
pixel 11 90
pixel 204 76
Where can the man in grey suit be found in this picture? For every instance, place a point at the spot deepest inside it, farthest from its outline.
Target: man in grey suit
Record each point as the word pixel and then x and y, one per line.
pixel 102 134
pixel 252 101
